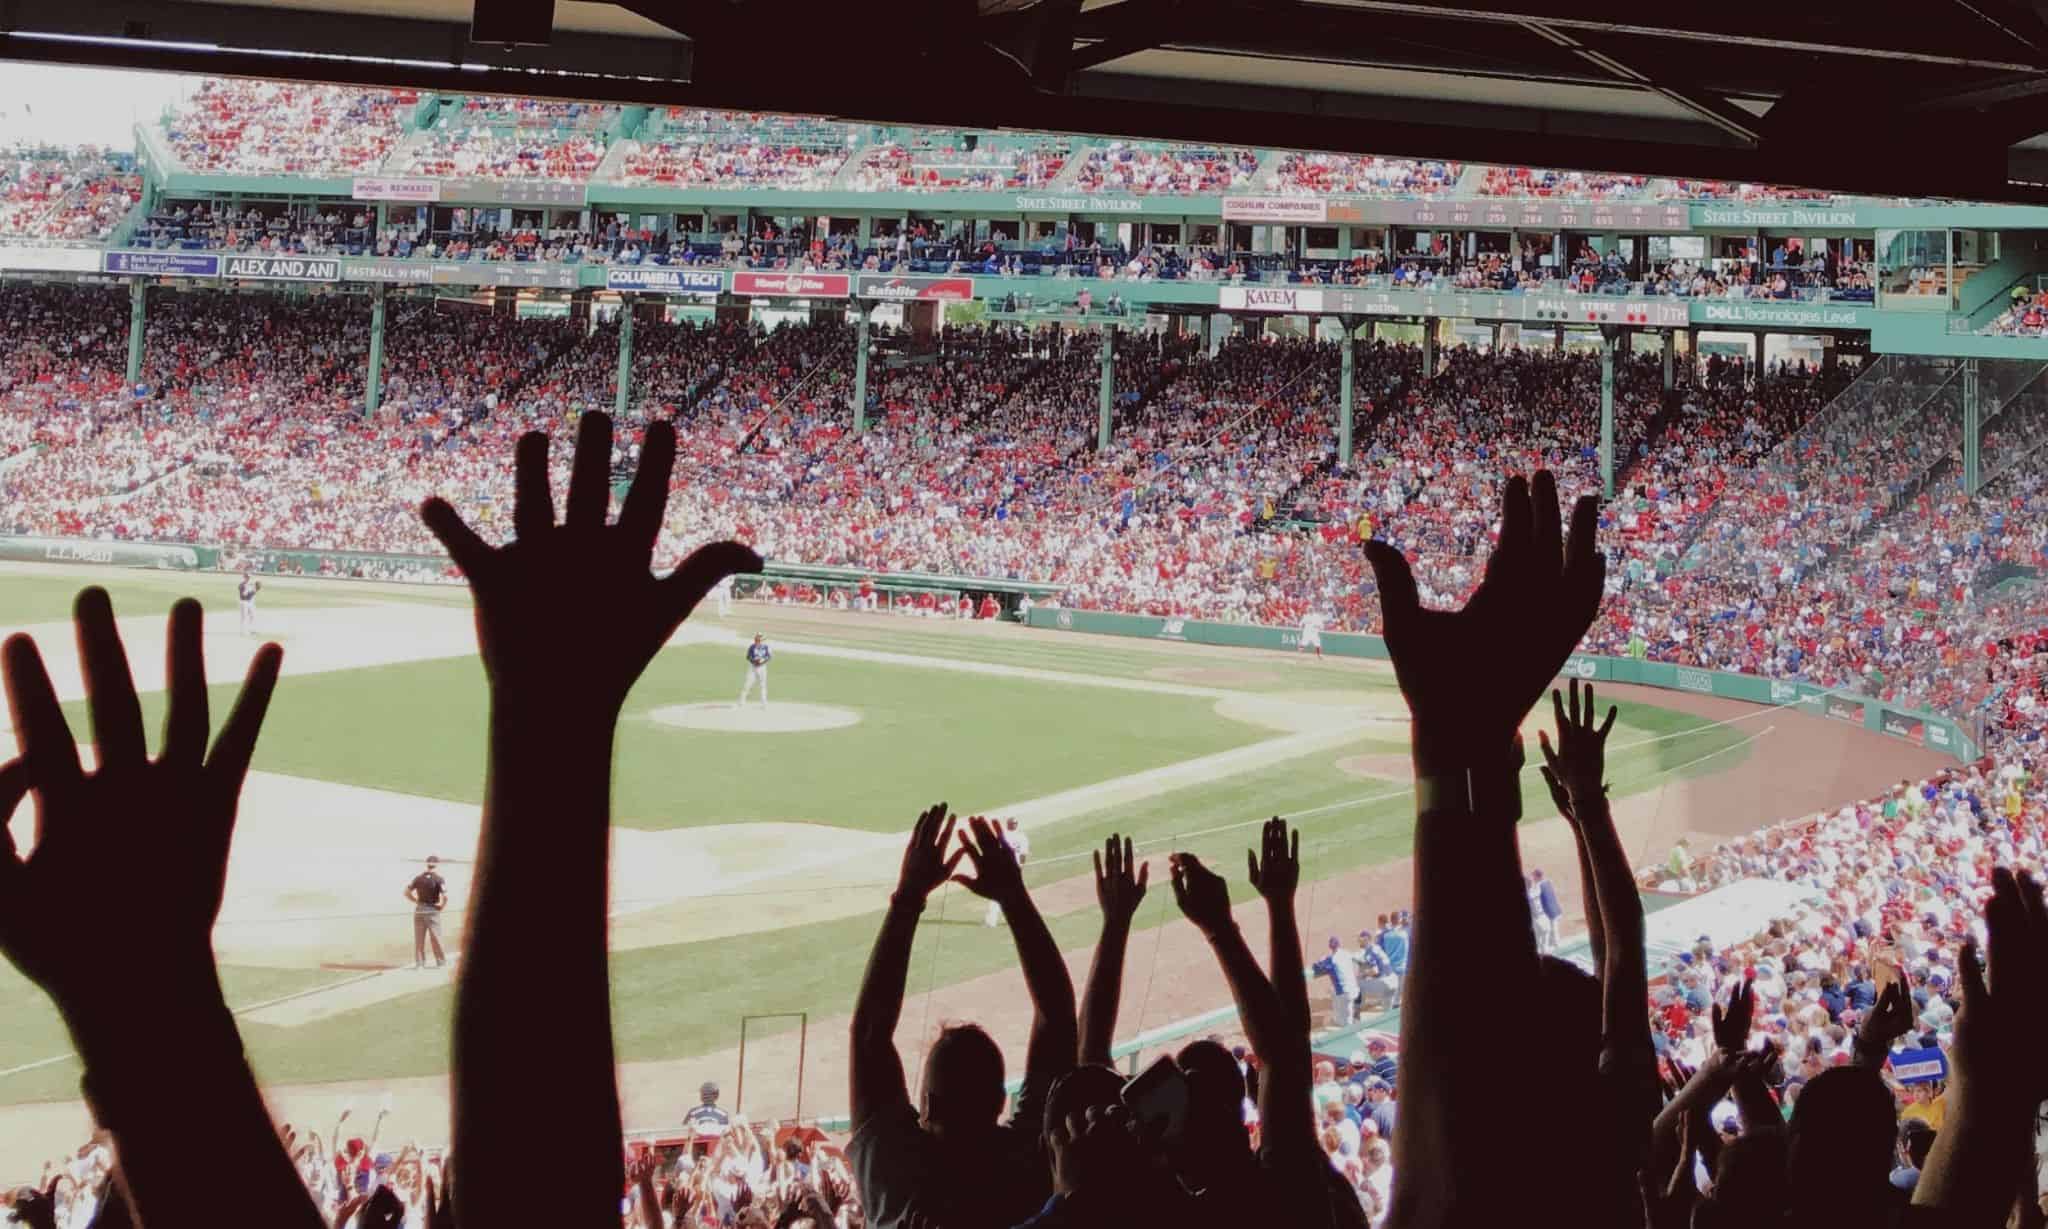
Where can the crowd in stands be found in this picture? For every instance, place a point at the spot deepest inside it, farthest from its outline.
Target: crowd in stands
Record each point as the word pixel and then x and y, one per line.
pixel 1750 531
pixel 2025 316
pixel 928 165
pixel 478 152
pixel 1526 181
pixel 1170 170
pixel 70 194
pixel 1747 193
pixel 1779 1078
pixel 1360 175
pixel 235 126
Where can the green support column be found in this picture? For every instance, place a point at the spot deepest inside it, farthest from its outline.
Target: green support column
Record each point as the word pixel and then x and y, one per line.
pixel 1670 355
pixel 1348 354
pixel 138 315
pixel 1972 419
pixel 1496 338
pixel 622 397
pixel 373 380
pixel 1557 340
pixel 860 368
pixel 1107 402
pixel 1607 412
pixel 1428 349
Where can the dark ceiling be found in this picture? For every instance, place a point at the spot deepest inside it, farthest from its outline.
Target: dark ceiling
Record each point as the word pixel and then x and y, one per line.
pixel 1935 98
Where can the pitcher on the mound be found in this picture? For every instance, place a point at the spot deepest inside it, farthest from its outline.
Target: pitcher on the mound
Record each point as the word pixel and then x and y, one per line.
pixel 757 670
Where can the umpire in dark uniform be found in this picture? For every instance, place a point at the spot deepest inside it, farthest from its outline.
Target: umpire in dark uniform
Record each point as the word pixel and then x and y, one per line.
pixel 429 895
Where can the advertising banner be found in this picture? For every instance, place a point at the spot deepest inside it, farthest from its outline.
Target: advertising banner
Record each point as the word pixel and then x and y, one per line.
pixel 1750 220
pixel 404 272
pixel 162 264
pixel 170 556
pixel 49 259
pixel 1284 299
pixel 1750 313
pixel 1843 708
pixel 282 269
pixel 409 191
pixel 930 289
pixel 1296 210
pixel 1692 678
pixel 664 281
pixel 794 285
pixel 1902 725
pixel 1079 204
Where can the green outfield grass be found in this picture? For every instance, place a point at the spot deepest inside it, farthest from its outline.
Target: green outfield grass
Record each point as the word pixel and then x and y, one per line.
pixel 418 728
pixel 927 733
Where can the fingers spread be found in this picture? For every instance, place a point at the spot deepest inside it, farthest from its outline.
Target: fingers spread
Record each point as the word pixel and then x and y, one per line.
pixel 38 719
pixel 1585 568
pixel 1547 526
pixel 186 715
pixel 533 498
pixel 590 475
pixel 14 786
pixel 706 566
pixel 1517 528
pixel 109 688
pixel 1396 584
pixel 464 547
pixel 229 764
pixel 640 518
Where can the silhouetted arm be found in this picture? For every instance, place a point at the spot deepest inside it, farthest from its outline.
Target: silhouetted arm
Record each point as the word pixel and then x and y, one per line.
pixel 142 838
pixel 1276 872
pixel 1054 1039
pixel 1119 890
pixel 1285 1115
pixel 568 614
pixel 876 1069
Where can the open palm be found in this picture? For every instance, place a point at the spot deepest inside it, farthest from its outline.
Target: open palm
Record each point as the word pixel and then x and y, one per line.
pixel 569 614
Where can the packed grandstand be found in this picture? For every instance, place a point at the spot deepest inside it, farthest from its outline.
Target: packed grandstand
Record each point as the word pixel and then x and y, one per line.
pixel 1808 523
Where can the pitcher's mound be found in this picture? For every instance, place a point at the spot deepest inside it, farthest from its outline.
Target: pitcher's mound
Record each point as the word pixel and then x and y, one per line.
pixel 777 718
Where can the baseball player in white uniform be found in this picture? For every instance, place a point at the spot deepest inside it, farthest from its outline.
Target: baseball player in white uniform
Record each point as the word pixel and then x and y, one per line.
pixel 1312 632
pixel 1019 844
pixel 723 592
pixel 757 670
pixel 246 592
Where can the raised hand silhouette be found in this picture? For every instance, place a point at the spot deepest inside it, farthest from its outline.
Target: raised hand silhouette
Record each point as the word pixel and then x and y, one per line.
pixel 568 612
pixel 1476 672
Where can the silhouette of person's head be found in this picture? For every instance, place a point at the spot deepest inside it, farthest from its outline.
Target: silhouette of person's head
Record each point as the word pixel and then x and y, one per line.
pixel 1844 1136
pixel 1216 1092
pixel 963 1082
